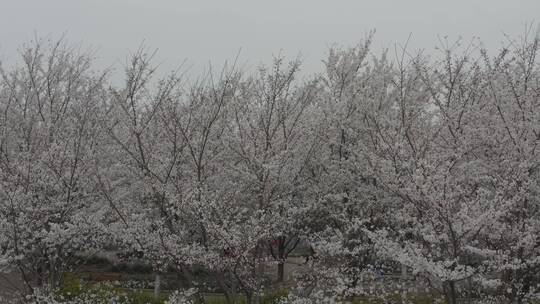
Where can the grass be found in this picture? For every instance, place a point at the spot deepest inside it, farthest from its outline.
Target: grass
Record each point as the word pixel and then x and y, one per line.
pixel 270 298
pixel 414 299
pixel 73 286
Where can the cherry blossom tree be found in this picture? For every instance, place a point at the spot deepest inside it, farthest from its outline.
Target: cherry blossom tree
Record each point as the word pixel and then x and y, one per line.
pixel 51 105
pixel 272 143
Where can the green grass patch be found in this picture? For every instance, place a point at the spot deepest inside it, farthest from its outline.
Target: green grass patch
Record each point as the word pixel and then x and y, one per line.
pixel 268 298
pixel 73 286
pixel 396 298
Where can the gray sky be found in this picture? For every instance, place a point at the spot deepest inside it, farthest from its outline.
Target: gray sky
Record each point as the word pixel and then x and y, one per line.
pixel 202 31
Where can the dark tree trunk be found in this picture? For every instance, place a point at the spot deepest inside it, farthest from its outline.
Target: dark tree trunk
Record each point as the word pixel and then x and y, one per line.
pixel 281 261
pixel 450 292
pixel 281 271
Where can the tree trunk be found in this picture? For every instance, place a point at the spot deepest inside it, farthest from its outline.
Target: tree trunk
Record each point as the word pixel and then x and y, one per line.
pixel 450 292
pixel 249 298
pixel 281 261
pixel 281 271
pixel 157 285
pixel 230 291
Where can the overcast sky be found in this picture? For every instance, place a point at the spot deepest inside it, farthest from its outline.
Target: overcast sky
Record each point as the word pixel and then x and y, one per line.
pixel 202 31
